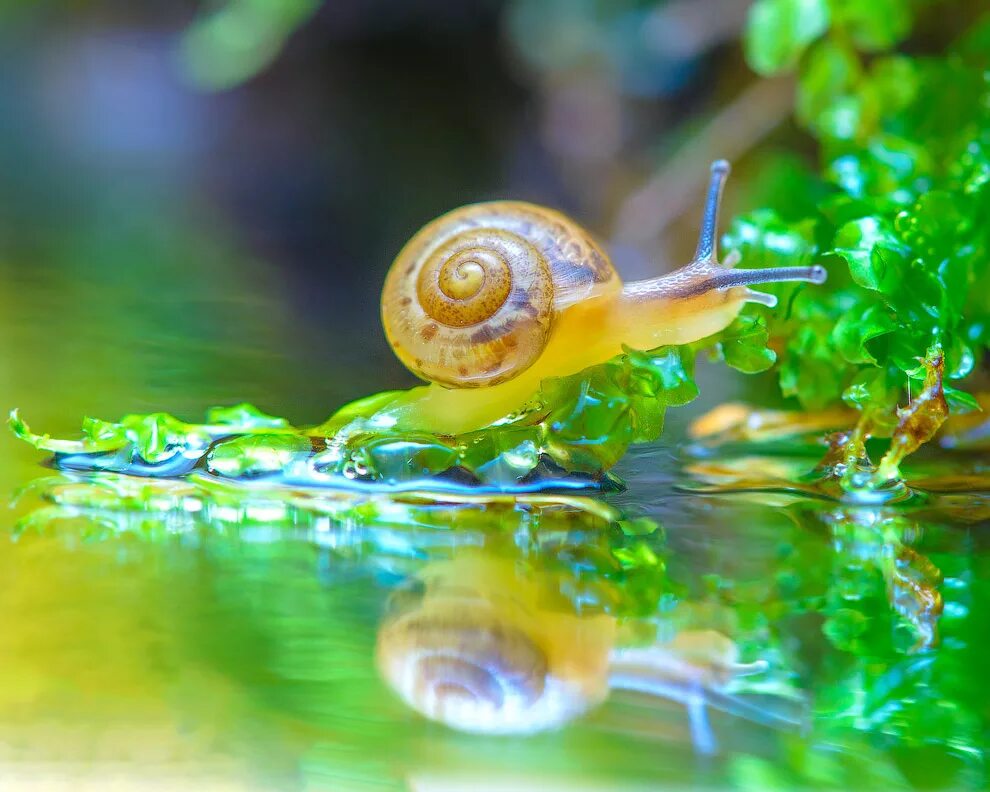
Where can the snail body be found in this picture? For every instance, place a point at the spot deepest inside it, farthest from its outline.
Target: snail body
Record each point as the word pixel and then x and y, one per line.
pixel 490 299
pixel 489 649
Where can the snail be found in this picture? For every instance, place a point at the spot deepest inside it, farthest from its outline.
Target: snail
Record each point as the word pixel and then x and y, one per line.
pixel 487 649
pixel 490 299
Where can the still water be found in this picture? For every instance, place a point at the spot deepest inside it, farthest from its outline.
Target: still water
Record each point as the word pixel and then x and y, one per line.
pixel 711 626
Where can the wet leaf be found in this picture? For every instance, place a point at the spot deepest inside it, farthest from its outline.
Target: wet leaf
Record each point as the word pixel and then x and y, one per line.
pixel 743 344
pixel 857 327
pixel 872 251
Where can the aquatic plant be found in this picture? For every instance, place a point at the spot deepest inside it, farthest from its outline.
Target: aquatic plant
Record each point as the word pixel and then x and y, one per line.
pixel 896 212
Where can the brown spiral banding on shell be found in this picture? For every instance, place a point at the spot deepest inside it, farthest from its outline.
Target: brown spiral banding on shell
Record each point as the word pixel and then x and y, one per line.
pixel 465 288
pixel 486 662
pixel 471 300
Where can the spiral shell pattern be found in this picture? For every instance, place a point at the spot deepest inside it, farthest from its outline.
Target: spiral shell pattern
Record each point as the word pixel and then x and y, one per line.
pixel 470 301
pixel 474 672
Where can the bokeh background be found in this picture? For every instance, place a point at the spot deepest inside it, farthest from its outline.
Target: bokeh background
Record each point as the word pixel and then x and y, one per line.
pixel 200 200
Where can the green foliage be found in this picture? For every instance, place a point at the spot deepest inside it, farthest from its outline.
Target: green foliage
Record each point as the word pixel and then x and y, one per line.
pixel 900 214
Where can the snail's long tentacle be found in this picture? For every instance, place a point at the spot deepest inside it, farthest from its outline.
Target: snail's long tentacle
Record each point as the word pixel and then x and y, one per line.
pixel 724 279
pixel 813 274
pixel 707 247
pixel 697 280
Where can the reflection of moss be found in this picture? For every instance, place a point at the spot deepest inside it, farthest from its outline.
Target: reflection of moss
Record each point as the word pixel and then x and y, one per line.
pixel 892 672
pixel 614 565
pixel 573 430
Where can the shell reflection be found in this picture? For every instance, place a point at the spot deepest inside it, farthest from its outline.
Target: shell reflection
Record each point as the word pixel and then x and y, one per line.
pixel 490 645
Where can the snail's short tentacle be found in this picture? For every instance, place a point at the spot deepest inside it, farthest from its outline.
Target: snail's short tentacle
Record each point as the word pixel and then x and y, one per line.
pixel 732 259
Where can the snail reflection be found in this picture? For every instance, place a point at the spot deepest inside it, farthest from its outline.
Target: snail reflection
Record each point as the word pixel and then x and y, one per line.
pixel 483 645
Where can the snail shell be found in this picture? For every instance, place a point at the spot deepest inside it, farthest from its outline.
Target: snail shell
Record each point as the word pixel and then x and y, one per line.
pixel 471 299
pixel 478 654
pixel 474 672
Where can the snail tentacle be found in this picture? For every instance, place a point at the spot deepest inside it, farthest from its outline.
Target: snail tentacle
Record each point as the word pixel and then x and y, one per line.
pixel 707 250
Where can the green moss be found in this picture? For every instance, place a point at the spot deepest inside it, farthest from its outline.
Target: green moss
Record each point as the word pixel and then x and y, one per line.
pixel 899 221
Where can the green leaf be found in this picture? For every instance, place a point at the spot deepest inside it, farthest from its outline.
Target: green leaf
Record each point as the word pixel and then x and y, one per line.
pixel 253 455
pixel 666 373
pixel 244 416
pixel 828 77
pixel 896 82
pixel 857 327
pixel 872 251
pixel 959 357
pixel 844 626
pixel 890 171
pixel 812 370
pixel 778 31
pixel 45 442
pixel 744 344
pixel 960 402
pixel 872 390
pixel 639 526
pixel 409 457
pixel 765 240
